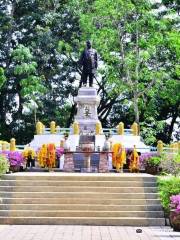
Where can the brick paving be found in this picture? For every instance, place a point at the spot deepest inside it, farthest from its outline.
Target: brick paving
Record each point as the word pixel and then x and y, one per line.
pixel 68 232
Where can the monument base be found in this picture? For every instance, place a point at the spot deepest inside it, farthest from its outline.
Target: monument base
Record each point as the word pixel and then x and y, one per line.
pixel 87 102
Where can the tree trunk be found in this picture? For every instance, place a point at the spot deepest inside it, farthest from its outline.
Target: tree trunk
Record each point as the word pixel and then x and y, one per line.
pixel 171 127
pixel 136 108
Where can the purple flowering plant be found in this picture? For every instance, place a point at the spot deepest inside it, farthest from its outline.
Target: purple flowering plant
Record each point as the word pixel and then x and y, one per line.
pixel 59 151
pixel 15 158
pixel 175 203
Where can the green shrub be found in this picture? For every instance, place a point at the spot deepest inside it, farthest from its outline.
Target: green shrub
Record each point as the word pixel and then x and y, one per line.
pixel 4 164
pixel 168 187
pixel 154 161
pixel 170 164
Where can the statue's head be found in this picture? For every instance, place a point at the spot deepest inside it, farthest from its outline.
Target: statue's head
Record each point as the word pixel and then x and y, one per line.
pixel 88 44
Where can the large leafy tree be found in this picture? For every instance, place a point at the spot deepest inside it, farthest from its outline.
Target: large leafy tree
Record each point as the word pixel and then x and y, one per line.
pixel 128 36
pixel 38 26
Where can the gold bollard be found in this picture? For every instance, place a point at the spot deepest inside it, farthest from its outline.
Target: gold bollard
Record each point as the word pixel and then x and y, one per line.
pixel 76 128
pixel 135 130
pixel 160 146
pixel 3 146
pixel 39 128
pixel 98 128
pixel 12 144
pixel 121 128
pixel 57 129
pixel 53 127
pixel 175 147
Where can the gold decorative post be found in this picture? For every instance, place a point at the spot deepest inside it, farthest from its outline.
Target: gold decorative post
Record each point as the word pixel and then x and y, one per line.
pixel 57 129
pixel 3 146
pixel 160 146
pixel 135 130
pixel 174 147
pixel 53 127
pixel 76 128
pixel 12 144
pixel 38 128
pixel 98 128
pixel 121 128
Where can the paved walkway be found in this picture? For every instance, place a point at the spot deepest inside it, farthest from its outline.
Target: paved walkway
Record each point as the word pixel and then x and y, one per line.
pixel 61 232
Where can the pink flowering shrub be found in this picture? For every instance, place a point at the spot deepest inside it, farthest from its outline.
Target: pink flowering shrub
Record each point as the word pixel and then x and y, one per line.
pixel 175 203
pixel 15 158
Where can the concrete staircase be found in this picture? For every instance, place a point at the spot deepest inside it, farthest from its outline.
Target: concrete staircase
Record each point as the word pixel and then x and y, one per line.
pixel 72 198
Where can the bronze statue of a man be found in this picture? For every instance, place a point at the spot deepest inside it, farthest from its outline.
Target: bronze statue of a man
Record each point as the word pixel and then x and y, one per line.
pixel 89 62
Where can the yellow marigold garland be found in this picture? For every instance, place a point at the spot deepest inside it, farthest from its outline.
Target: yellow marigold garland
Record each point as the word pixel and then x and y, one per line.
pixel 47 155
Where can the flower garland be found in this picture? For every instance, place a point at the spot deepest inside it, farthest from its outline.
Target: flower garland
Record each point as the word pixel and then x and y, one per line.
pixel 42 155
pixel 29 152
pixel 47 155
pixel 51 155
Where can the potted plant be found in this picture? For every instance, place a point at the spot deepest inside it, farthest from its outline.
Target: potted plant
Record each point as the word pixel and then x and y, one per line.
pixel 152 165
pixel 15 160
pixel 174 215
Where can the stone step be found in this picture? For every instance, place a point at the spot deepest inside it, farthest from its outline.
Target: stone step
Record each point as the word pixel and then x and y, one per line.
pixel 80 207
pixel 77 213
pixel 77 183
pixel 73 198
pixel 81 189
pixel 94 195
pixel 120 221
pixel 79 200
pixel 82 177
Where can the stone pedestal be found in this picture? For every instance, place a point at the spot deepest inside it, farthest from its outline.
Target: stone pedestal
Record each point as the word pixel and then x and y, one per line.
pixel 103 162
pixel 68 162
pixel 87 103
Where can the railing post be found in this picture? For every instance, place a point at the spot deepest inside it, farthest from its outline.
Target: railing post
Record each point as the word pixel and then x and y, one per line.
pixel 57 129
pixel 160 146
pixel 12 144
pixel 121 128
pixel 52 127
pixel 3 146
pixel 39 128
pixel 98 128
pixel 135 129
pixel 76 128
pixel 174 147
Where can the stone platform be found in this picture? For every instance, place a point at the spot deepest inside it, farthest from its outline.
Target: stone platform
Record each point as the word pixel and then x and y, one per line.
pixel 80 199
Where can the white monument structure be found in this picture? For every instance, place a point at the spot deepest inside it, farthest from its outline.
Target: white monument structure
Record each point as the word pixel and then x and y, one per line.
pixel 87 102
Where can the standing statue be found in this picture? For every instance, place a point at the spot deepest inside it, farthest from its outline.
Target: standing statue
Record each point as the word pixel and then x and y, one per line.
pixel 89 62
